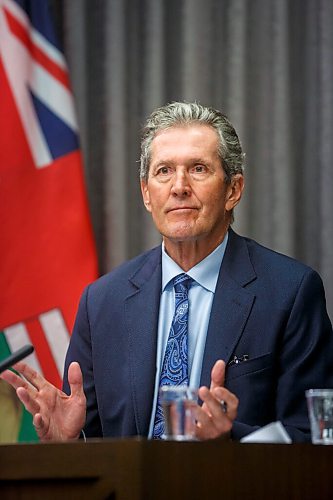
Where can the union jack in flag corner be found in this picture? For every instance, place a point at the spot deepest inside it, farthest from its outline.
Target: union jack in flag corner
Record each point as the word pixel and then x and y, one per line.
pixel 47 250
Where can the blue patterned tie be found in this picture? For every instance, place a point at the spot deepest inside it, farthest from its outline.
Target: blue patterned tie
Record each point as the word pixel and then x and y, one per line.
pixel 175 366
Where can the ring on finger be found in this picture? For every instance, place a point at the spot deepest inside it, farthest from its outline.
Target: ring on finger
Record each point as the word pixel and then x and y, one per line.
pixel 224 406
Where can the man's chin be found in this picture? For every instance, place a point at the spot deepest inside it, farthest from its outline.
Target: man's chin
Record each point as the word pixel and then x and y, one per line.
pixel 179 234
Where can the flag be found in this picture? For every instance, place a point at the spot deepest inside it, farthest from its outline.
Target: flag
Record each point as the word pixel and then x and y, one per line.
pixel 47 252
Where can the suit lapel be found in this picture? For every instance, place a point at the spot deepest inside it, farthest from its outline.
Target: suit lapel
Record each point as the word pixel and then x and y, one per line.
pixel 141 309
pixel 231 307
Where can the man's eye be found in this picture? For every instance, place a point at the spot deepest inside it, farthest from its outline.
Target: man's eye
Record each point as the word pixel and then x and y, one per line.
pixel 198 169
pixel 163 171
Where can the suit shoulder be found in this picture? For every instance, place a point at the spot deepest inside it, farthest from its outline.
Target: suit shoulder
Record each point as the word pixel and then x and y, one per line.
pixel 268 260
pixel 127 270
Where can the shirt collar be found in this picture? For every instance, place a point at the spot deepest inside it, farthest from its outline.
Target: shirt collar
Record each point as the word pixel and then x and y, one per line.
pixel 205 272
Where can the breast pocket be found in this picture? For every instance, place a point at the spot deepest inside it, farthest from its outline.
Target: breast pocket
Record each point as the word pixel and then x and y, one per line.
pixel 254 383
pixel 249 366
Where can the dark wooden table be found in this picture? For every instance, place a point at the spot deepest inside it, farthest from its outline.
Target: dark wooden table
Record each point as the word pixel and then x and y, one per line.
pixel 151 470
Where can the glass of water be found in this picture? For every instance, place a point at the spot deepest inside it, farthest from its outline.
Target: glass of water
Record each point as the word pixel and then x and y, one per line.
pixel 320 408
pixel 179 405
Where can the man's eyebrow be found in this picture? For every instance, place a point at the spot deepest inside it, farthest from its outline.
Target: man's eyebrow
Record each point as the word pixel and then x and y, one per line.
pixel 160 163
pixel 171 161
pixel 199 159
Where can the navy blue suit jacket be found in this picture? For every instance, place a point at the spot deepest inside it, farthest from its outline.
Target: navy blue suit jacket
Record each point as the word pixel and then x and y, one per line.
pixel 266 305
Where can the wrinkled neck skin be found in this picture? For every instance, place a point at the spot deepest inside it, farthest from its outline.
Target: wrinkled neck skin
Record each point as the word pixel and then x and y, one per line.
pixel 187 253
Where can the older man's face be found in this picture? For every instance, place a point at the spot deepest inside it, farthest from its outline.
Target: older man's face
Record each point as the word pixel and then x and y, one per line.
pixel 186 191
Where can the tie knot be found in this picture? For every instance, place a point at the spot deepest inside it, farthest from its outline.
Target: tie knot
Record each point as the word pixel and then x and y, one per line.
pixel 182 282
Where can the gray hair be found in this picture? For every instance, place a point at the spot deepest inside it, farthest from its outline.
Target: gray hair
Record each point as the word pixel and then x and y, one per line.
pixel 184 113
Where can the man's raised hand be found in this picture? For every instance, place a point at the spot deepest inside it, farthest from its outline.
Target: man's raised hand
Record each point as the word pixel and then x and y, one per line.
pixel 56 416
pixel 219 410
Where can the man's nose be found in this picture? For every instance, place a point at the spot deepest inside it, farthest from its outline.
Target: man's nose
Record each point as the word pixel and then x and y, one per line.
pixel 181 185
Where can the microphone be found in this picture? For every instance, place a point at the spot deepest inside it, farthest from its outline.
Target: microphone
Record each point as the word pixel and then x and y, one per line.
pixel 16 356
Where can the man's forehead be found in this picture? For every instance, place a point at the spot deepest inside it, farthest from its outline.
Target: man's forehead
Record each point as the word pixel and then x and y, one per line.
pixel 188 144
pixel 194 135
pixel 187 129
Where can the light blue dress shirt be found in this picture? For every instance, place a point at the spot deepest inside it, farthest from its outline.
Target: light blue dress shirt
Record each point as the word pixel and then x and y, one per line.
pixel 201 294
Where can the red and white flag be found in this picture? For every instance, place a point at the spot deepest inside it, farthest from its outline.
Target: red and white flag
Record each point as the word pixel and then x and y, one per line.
pixel 47 252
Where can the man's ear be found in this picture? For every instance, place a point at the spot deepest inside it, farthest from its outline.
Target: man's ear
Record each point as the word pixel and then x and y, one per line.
pixel 145 195
pixel 235 191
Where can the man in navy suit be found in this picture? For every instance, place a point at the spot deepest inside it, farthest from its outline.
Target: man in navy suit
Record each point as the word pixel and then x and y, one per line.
pixel 258 331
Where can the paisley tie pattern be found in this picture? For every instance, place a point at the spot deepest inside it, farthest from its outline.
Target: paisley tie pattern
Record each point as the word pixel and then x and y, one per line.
pixel 175 365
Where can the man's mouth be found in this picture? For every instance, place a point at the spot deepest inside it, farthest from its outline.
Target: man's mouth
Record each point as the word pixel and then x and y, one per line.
pixel 181 209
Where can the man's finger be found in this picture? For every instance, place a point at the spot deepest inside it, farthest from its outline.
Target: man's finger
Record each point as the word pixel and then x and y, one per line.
pixel 213 404
pixel 217 374
pixel 211 428
pixel 227 402
pixel 35 379
pixel 205 426
pixel 11 378
pixel 14 380
pixel 29 402
pixel 39 426
pixel 75 379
